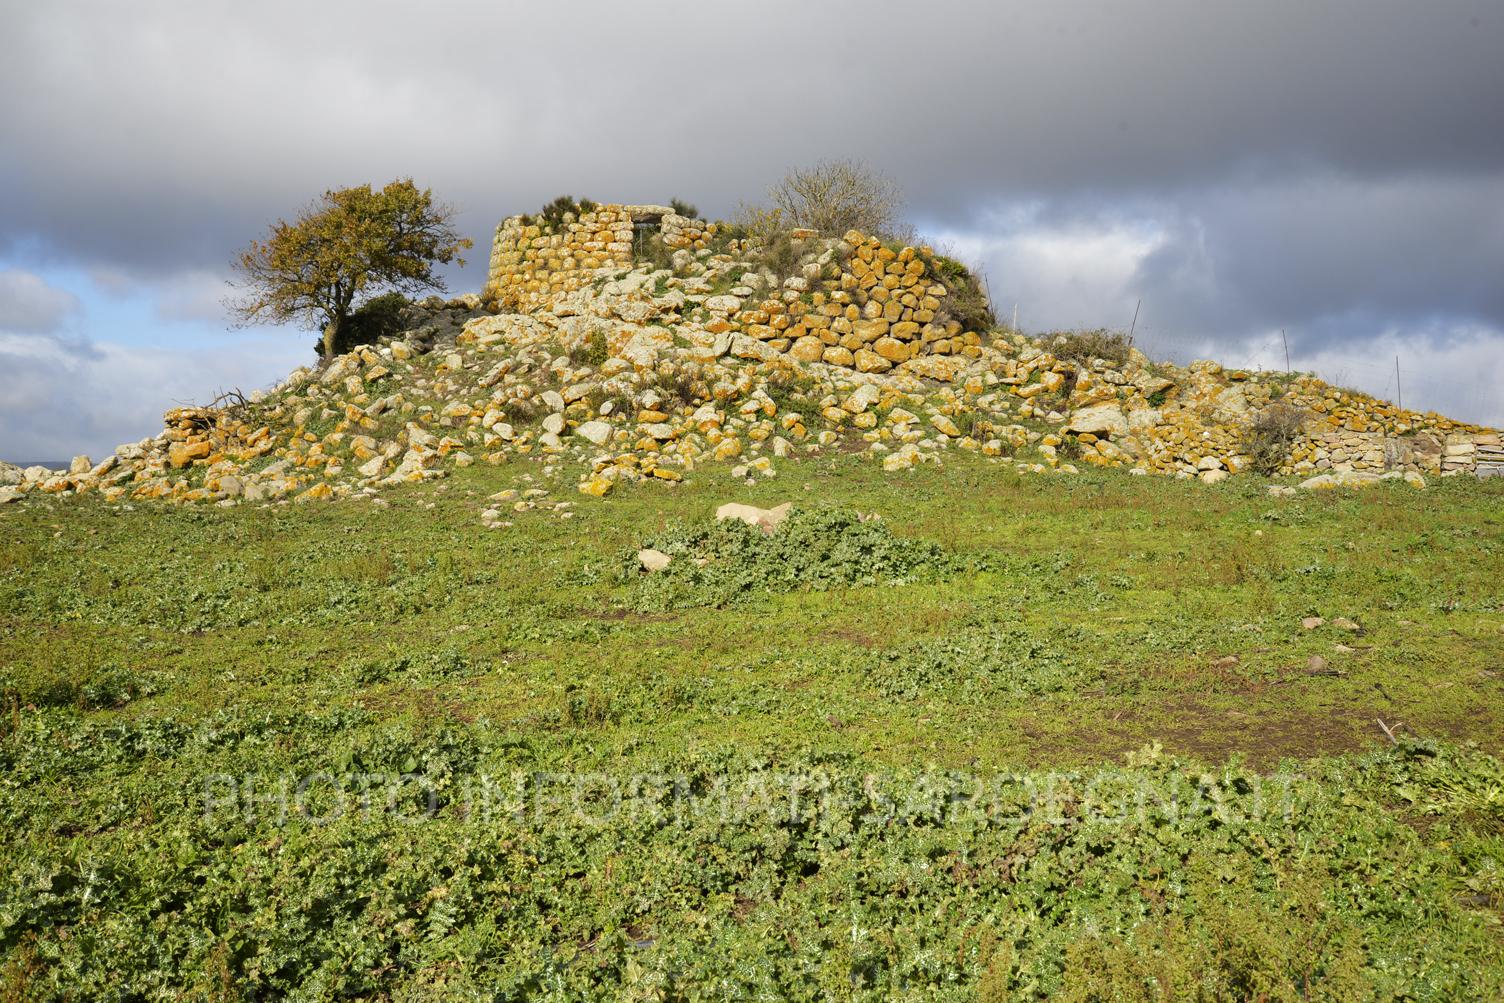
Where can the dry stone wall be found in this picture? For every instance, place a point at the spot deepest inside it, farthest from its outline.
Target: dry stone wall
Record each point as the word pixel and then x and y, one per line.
pixel 534 262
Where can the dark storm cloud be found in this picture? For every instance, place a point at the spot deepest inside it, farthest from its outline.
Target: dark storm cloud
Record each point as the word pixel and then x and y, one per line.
pixel 141 136
pixel 1333 167
pixel 1317 248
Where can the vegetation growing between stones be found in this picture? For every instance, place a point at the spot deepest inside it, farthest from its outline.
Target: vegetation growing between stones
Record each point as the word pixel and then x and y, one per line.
pixel 681 387
pixel 1271 435
pixel 551 216
pixel 967 302
pixel 592 350
pixel 793 392
pixel 1082 347
pixel 648 249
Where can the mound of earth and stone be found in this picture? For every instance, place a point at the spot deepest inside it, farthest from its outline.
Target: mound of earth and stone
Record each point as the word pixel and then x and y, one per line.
pixel 647 366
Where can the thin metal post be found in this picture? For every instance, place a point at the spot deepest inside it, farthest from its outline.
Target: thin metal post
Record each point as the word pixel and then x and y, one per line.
pixel 1287 350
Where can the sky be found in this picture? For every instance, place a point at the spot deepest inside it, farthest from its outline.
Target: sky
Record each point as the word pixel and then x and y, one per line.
pixel 1225 178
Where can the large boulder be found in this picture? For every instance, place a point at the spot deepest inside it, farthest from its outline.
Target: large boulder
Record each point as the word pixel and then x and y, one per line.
pixel 766 519
pixel 10 473
pixel 598 432
pixel 653 560
pixel 1360 479
pixel 1231 407
pixel 1103 419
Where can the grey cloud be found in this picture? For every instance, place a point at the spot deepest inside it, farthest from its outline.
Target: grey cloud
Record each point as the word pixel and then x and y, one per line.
pixel 1313 249
pixel 193 295
pixel 170 135
pixel 30 305
pixel 1331 167
pixel 1332 259
pixel 65 396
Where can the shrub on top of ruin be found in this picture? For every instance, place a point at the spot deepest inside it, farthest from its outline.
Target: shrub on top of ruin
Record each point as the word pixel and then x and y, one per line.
pixel 683 208
pixel 834 196
pixel 720 241
pixel 757 224
pixel 1271 436
pixel 783 257
pixel 967 302
pixel 551 216
pixel 774 248
pixel 1082 347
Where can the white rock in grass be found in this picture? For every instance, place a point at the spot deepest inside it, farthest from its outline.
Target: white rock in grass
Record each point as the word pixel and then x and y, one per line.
pixel 597 432
pixel 653 560
pixel 766 519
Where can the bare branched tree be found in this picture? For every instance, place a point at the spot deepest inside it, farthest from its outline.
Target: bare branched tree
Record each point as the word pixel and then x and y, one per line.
pixel 838 195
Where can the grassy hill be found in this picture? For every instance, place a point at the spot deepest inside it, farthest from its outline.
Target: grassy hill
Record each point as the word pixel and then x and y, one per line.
pixel 1019 737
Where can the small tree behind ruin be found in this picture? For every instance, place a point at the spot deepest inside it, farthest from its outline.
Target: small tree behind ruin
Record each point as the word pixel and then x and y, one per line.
pixel 343 249
pixel 838 195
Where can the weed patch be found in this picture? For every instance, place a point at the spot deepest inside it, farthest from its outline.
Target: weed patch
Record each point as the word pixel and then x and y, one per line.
pixel 979 663
pixel 1082 347
pixel 726 562
pixel 1271 435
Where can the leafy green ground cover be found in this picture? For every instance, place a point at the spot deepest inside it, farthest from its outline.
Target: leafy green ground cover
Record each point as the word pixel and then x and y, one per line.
pixel 778 777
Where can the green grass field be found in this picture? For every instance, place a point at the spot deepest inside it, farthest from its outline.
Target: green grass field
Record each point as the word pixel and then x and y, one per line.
pixel 1063 737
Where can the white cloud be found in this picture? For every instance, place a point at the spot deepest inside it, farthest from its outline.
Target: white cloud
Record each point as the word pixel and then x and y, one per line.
pixel 1455 370
pixel 194 295
pixel 60 397
pixel 1061 274
pixel 30 305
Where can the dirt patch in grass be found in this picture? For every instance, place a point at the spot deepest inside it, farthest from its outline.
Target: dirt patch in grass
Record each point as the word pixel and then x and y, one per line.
pixel 1300 731
pixel 619 615
pixel 850 637
pixel 1264 738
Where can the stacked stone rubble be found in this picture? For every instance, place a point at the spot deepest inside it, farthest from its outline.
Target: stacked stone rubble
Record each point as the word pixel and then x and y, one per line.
pixel 1481 453
pixel 862 305
pixel 684 233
